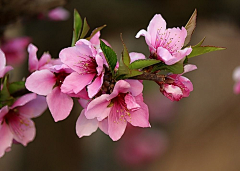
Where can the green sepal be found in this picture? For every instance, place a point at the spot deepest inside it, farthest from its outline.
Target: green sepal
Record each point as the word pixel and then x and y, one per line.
pixel 85 29
pixel 133 73
pixel 95 31
pixel 77 27
pixel 110 55
pixel 143 63
pixel 199 49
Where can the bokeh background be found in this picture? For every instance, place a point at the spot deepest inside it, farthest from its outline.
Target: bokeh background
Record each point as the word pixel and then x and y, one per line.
pixel 201 132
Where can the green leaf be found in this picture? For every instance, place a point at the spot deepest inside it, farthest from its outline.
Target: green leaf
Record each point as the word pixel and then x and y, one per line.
pixel 110 56
pixel 85 29
pixel 190 27
pixel 142 63
pixel 125 55
pixel 199 49
pixel 5 97
pixel 77 26
pixel 123 69
pixel 95 31
pixel 16 86
pixel 176 68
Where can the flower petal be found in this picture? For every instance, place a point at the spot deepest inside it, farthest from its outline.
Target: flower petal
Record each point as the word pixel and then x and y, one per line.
pixel 165 56
pixel 236 74
pixel 2 60
pixel 41 82
pixel 172 92
pixel 59 104
pixel 45 59
pixel 33 108
pixel 6 138
pixel 139 117
pixel 75 82
pixel 131 102
pixel 33 60
pixel 136 56
pixel 103 125
pixel 95 86
pixel 3 111
pixel 23 129
pixel 136 87
pixel 121 86
pixel 115 128
pixel 5 70
pixel 156 26
pixel 84 126
pixel 23 100
pixel 97 108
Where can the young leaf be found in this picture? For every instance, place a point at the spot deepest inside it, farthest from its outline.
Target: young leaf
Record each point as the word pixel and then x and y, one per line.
pixel 125 54
pixel 77 27
pixel 95 31
pixel 85 29
pixel 123 69
pixel 4 93
pixel 16 86
pixel 176 68
pixel 110 56
pixel 190 26
pixel 142 63
pixel 199 49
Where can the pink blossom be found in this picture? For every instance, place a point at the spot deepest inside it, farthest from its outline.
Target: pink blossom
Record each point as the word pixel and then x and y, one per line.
pixel 84 59
pixel 58 14
pixel 165 44
pixel 113 111
pixel 181 86
pixel 3 68
pixel 44 62
pixel 15 50
pixel 15 121
pixel 48 83
pixel 236 78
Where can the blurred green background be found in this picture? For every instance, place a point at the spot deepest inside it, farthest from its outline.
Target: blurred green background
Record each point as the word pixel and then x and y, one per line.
pixel 201 132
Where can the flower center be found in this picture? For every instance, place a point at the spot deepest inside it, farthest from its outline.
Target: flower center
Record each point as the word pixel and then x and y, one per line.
pixel 60 77
pixel 87 65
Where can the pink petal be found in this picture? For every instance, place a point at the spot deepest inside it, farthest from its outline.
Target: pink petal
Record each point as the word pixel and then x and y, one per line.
pixel 59 104
pixel 97 107
pixel 156 26
pixel 103 125
pixel 23 129
pixel 172 92
pixel 165 56
pixel 189 67
pixel 236 74
pixel 23 100
pixel 136 56
pixel 120 87
pixel 3 111
pixel 84 126
pixel 180 54
pixel 139 117
pixel 236 88
pixel 115 128
pixel 45 59
pixel 136 87
pixel 95 39
pixel 41 82
pixel 33 108
pixel 5 70
pixel 147 36
pixel 58 14
pixel 176 37
pixel 6 138
pixel 33 60
pixel 99 61
pixel 75 82
pixel 95 86
pixel 85 47
pixel 83 102
pixel 131 102
pixel 2 60
pixel 187 84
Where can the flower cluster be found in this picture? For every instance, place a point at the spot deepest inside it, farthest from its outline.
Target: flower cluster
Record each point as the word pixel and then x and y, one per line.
pixel 110 91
